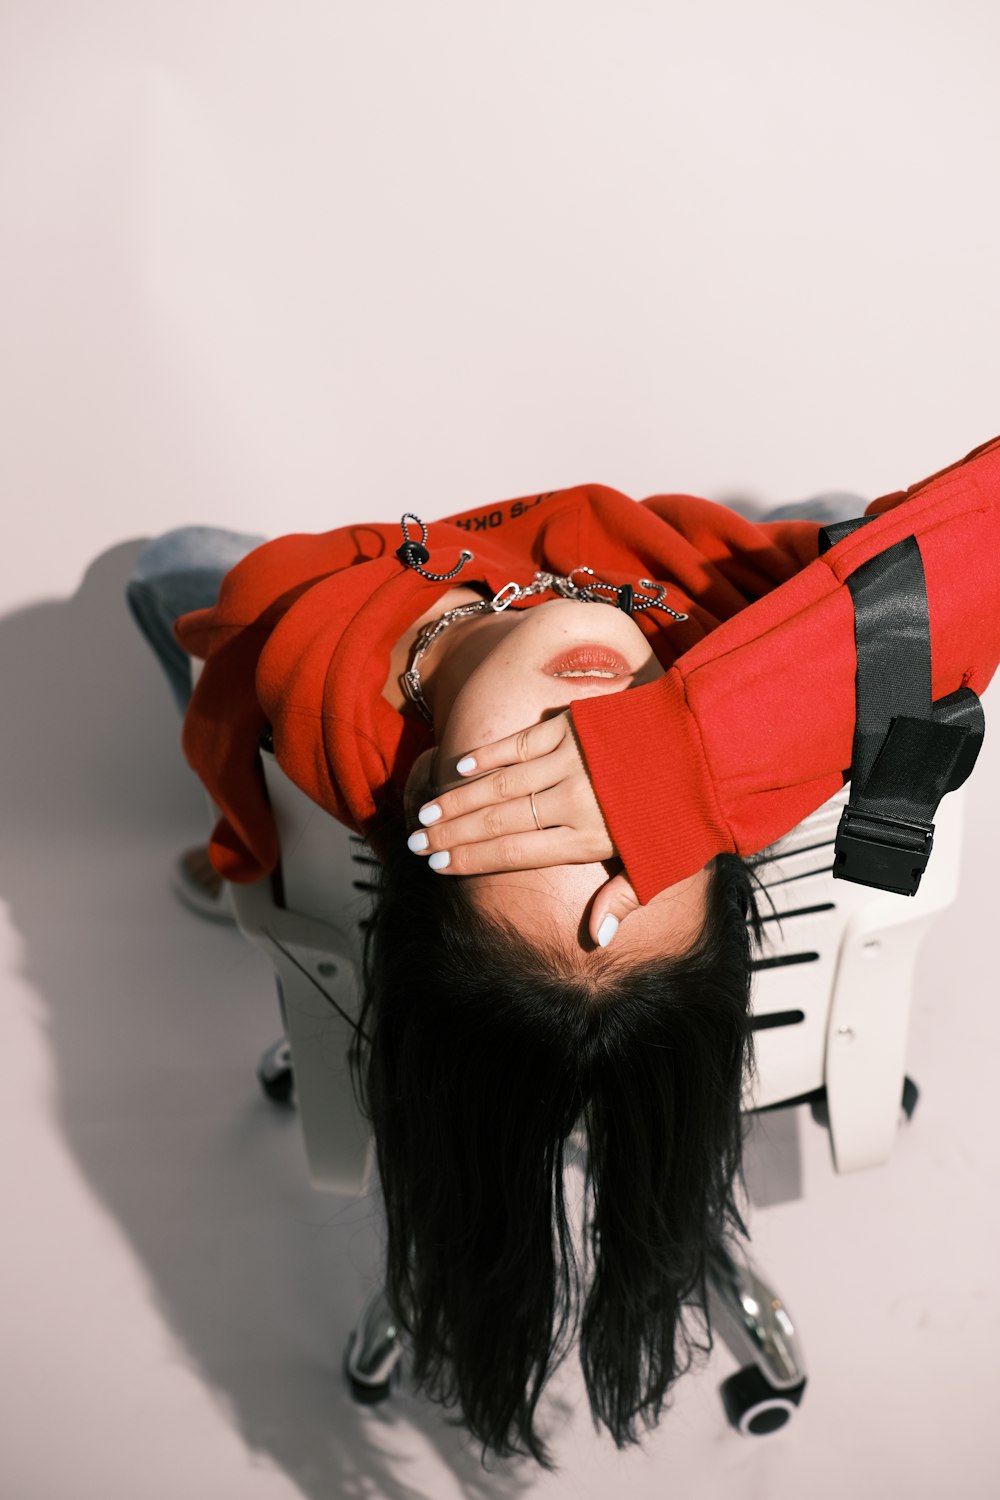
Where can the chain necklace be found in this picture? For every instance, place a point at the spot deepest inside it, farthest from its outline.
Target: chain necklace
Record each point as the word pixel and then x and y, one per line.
pixel 624 596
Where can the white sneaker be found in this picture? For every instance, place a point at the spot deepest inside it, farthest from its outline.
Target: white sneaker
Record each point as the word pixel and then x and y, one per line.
pixel 199 885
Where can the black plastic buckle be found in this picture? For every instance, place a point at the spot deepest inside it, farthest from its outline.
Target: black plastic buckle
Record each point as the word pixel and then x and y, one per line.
pixel 890 854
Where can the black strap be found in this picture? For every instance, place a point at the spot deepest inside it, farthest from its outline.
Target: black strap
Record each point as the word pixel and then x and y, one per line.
pixel 908 751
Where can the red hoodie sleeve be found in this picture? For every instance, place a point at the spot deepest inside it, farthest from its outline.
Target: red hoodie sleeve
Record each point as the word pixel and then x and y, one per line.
pixel 225 716
pixel 753 728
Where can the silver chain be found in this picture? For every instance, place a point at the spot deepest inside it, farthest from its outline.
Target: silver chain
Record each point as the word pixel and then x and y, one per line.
pixel 513 593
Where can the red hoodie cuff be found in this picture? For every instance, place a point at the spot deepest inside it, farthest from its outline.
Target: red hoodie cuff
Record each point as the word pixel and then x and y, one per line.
pixel 648 769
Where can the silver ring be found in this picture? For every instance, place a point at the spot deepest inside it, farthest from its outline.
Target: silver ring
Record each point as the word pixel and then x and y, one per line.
pixel 534 811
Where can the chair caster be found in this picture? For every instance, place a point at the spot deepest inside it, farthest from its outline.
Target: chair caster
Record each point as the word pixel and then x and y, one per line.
pixel 374 1353
pixel 364 1392
pixel 754 1406
pixel 274 1073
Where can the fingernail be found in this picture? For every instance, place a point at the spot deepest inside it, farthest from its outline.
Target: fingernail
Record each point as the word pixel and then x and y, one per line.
pixel 605 932
pixel 466 764
pixel 429 814
pixel 417 841
pixel 439 860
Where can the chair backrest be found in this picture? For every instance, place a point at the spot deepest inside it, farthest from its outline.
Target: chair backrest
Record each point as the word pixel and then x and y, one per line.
pixel 833 984
pixel 831 990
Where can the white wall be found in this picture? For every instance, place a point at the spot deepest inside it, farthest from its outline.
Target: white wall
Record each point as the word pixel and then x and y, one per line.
pixel 278 266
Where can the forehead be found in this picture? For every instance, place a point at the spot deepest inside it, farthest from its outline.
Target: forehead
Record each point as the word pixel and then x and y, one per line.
pixel 553 905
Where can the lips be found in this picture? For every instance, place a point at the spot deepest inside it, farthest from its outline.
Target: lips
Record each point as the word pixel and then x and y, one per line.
pixel 594 659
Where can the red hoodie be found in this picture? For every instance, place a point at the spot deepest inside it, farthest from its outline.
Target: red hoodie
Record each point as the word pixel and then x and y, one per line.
pixel 750 730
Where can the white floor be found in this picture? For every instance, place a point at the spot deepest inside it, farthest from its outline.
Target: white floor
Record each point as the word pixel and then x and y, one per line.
pixel 177 1297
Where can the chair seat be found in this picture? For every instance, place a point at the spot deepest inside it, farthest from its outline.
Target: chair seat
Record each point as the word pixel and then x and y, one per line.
pixel 831 992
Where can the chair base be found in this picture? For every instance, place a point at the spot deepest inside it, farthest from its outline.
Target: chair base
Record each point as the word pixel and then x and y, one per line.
pixel 760 1398
pixel 754 1322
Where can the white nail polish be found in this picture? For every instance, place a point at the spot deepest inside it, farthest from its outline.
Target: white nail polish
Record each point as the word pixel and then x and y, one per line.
pixel 429 814
pixel 417 841
pixel 439 860
pixel 466 764
pixel 606 931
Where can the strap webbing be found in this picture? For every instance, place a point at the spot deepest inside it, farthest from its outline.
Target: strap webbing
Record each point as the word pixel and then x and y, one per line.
pixel 908 751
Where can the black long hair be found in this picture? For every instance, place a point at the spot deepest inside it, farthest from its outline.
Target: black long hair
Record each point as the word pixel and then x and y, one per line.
pixel 483 1054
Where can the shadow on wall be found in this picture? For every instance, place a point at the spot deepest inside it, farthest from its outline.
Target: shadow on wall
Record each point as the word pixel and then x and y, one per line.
pixel 155 1020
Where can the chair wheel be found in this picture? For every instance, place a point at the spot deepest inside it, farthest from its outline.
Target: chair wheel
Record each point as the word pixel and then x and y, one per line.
pixel 364 1392
pixel 274 1073
pixel 754 1406
pixel 910 1096
pixel 368 1395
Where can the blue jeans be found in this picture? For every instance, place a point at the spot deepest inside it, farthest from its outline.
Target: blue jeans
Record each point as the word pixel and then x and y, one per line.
pixel 177 572
pixel 182 570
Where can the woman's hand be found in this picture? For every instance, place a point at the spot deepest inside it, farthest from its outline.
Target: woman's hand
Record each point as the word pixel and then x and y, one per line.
pixel 488 826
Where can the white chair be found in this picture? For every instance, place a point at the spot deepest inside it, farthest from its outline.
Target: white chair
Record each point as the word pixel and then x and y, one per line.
pixel 308 920
pixel 832 987
pixel 831 1008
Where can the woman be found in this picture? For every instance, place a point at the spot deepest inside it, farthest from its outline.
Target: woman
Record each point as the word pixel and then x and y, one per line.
pixel 708 718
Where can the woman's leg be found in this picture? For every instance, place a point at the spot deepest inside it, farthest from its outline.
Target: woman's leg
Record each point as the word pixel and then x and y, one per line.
pixel 177 572
pixel 835 505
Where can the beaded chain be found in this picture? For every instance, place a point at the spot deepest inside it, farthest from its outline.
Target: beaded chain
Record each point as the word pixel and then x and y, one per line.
pixel 414 555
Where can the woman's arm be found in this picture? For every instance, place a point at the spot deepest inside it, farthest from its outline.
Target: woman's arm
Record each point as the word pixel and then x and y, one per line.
pixel 752 729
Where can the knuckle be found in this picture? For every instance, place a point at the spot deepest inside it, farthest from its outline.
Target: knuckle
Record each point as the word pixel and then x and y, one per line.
pixel 501 786
pixel 510 852
pixel 493 822
pixel 521 744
